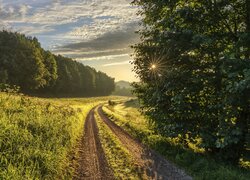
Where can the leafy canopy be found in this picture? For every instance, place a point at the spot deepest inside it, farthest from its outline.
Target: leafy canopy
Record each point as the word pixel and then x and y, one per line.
pixel 193 62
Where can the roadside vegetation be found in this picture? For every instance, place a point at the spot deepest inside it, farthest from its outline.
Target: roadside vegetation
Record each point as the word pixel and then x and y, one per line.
pixel 38 136
pixel 191 158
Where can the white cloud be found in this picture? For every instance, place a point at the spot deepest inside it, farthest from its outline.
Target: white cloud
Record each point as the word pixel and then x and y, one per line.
pixel 93 18
pixel 80 53
pixel 23 10
pixel 110 57
pixel 108 15
pixel 117 63
pixel 28 29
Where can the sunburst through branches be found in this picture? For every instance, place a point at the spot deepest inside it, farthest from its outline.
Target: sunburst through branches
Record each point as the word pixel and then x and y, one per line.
pixel 156 66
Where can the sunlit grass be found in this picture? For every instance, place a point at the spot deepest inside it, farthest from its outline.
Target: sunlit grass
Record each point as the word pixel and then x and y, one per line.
pixel 35 137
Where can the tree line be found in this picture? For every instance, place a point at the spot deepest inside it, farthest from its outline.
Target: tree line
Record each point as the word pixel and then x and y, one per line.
pixel 194 64
pixel 23 62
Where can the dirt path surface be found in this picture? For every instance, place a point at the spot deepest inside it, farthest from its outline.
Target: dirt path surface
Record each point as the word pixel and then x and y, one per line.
pixel 150 164
pixel 92 163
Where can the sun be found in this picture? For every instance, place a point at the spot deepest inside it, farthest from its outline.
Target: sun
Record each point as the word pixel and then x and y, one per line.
pixel 153 66
pixel 157 66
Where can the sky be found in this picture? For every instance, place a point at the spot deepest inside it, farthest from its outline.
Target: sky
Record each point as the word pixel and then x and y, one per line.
pixel 97 33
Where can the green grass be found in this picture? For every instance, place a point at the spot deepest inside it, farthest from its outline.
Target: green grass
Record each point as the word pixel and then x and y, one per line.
pixel 192 160
pixel 118 157
pixel 38 135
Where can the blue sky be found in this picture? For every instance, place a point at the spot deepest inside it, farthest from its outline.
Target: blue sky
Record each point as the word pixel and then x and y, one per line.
pixel 95 32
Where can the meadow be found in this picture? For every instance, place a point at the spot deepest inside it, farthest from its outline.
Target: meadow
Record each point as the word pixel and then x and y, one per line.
pixel 38 136
pixel 192 159
pixel 39 139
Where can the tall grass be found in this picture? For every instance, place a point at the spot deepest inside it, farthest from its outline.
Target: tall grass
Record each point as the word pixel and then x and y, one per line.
pixel 36 135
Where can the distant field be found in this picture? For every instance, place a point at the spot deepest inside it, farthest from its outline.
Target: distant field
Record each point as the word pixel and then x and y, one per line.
pixel 37 135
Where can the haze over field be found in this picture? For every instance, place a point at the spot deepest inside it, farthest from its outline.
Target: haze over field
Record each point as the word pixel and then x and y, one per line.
pixel 95 32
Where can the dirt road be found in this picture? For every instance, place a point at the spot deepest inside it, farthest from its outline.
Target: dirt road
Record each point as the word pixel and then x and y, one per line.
pixel 92 163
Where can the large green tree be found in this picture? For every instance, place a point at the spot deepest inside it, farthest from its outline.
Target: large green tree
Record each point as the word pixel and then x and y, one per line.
pixel 21 61
pixel 193 61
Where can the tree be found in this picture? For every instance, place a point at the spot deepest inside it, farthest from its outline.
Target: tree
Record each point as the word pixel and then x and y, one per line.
pixel 51 67
pixel 3 76
pixel 194 65
pixel 75 78
pixel 22 61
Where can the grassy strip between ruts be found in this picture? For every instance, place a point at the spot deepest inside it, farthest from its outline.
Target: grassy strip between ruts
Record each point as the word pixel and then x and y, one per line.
pixel 197 165
pixel 37 135
pixel 117 156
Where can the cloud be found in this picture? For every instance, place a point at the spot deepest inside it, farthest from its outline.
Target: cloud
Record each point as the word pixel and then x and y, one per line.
pixel 111 43
pixel 104 15
pixel 113 39
pixel 103 59
pixel 23 10
pixel 12 12
pixel 32 29
pixel 116 63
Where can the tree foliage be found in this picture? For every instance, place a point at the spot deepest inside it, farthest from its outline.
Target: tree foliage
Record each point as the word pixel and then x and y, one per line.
pixel 23 62
pixel 75 78
pixel 194 64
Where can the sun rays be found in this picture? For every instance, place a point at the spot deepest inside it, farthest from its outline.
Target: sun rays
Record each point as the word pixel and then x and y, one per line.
pixel 156 65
